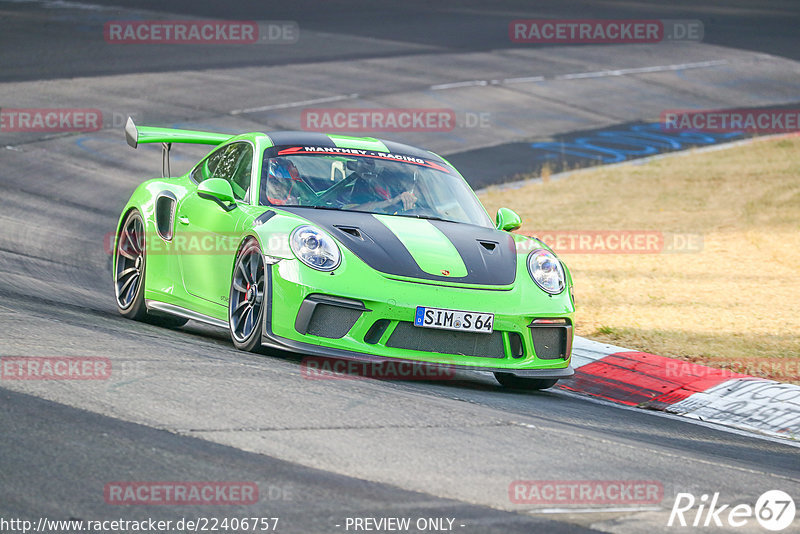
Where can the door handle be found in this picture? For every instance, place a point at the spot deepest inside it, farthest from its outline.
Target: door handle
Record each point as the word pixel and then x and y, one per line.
pixel 183 220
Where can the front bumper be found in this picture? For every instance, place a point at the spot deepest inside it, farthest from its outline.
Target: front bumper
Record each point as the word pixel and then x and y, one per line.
pixel 328 315
pixel 269 339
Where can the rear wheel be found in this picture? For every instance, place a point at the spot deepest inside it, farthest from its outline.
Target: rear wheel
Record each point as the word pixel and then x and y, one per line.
pixel 521 382
pixel 129 271
pixel 129 274
pixel 246 302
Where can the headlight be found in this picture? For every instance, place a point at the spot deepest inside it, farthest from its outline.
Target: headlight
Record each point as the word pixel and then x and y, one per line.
pixel 315 248
pixel 547 271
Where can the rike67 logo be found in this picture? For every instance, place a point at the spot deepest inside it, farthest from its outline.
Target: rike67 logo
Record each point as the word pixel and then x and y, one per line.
pixel 774 510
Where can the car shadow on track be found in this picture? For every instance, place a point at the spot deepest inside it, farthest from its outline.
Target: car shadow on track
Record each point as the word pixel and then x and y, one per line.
pixel 401 372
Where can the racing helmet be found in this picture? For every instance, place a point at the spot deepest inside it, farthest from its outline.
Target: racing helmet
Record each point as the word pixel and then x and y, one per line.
pixel 366 167
pixel 281 174
pixel 282 169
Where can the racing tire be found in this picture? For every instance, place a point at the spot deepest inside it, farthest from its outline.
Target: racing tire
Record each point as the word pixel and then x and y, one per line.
pixel 129 274
pixel 246 300
pixel 521 382
pixel 129 268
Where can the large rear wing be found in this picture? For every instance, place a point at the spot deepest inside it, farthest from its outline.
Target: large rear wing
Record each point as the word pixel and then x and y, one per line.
pixel 136 135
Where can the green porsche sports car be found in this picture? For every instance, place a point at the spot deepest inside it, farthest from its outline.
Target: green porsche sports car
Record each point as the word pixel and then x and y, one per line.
pixel 352 248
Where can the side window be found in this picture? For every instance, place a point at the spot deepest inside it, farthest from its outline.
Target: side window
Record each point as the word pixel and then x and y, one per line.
pixel 205 170
pixel 232 163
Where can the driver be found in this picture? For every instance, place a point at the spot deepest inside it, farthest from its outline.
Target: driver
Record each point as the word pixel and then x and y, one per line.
pixel 371 192
pixel 281 177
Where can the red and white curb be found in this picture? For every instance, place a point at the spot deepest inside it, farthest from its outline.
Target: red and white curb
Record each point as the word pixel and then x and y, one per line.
pixel 713 395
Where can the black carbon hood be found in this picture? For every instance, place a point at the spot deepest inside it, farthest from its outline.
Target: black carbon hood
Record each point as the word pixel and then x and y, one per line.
pixel 489 255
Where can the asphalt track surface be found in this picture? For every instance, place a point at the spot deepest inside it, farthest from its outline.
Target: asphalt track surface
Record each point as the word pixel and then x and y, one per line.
pixel 184 405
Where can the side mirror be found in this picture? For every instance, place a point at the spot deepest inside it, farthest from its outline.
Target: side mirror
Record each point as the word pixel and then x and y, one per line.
pixel 507 220
pixel 218 190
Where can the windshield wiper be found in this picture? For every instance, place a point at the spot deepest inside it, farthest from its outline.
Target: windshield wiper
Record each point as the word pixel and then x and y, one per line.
pixel 331 208
pixel 415 216
pixel 427 217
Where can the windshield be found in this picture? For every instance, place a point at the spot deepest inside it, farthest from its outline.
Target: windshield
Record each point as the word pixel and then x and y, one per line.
pixel 372 182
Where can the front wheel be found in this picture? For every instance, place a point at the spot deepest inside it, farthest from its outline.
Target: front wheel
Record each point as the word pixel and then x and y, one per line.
pixel 246 302
pixel 521 382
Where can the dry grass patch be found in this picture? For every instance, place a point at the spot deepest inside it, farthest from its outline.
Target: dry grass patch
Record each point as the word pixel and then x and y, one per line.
pixel 734 304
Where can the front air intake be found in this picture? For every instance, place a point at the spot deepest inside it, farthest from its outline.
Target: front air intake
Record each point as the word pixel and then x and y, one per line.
pixel 552 338
pixel 410 337
pixel 327 316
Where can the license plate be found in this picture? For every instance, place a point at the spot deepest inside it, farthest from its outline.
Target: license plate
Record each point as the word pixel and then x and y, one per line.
pixel 462 321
